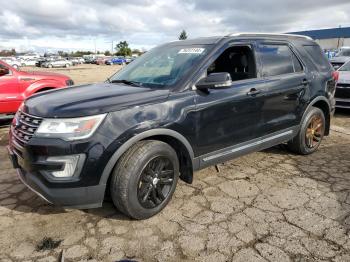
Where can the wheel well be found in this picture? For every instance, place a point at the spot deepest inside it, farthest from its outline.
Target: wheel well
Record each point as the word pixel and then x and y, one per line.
pixel 186 168
pixel 325 108
pixel 44 89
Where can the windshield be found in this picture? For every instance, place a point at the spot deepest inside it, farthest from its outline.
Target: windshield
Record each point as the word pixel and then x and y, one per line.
pixel 344 52
pixel 162 66
pixel 345 67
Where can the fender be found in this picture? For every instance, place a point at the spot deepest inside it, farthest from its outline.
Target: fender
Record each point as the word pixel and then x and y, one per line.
pixel 36 86
pixel 314 101
pixel 154 132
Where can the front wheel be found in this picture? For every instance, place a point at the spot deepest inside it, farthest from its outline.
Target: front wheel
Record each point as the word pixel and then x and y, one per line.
pixel 67 65
pixel 145 179
pixel 310 134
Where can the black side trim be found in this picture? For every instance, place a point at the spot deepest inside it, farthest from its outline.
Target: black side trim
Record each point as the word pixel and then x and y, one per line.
pixel 247 147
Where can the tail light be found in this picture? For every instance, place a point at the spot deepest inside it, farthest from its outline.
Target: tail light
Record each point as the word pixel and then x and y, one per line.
pixel 335 76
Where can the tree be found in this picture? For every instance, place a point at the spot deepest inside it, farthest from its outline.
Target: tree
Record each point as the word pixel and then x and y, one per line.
pixel 107 53
pixel 183 35
pixel 123 49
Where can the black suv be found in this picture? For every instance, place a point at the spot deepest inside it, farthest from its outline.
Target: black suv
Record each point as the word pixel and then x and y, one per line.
pixel 179 108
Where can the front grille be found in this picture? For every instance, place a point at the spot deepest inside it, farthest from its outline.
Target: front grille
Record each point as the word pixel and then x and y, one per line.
pixel 343 85
pixel 342 92
pixel 24 127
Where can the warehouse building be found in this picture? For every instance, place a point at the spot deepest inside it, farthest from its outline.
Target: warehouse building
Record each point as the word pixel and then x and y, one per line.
pixel 332 38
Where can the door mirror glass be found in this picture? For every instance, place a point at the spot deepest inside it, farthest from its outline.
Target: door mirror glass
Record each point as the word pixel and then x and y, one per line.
pixel 215 81
pixel 4 71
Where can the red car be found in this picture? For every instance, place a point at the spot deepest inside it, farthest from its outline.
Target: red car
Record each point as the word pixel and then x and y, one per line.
pixel 16 86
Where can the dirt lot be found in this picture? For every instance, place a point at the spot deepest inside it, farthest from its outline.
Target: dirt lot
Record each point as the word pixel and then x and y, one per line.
pixel 267 206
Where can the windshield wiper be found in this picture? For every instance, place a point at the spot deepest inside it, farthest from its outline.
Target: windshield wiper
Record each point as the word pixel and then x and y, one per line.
pixel 127 82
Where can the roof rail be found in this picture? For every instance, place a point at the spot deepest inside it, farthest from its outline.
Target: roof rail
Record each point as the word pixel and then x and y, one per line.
pixel 269 34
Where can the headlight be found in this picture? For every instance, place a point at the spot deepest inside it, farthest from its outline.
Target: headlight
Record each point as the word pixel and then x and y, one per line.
pixel 69 128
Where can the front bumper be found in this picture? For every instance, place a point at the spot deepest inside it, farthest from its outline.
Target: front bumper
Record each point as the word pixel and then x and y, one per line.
pixel 71 197
pixel 342 103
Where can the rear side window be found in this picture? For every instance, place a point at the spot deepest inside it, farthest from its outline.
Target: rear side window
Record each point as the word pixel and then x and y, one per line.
pixel 318 57
pixel 278 60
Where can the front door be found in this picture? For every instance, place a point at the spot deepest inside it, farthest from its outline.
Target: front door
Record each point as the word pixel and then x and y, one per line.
pixel 9 93
pixel 232 115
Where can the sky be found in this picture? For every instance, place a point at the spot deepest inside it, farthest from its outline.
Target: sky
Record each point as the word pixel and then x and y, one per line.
pixel 51 25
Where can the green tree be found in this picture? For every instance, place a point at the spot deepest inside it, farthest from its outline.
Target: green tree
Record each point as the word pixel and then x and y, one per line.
pixel 123 49
pixel 107 53
pixel 183 35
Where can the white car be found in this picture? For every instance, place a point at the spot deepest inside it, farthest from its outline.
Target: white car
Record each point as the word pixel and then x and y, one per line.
pixel 342 93
pixel 29 62
pixel 12 61
pixel 57 63
pixel 340 58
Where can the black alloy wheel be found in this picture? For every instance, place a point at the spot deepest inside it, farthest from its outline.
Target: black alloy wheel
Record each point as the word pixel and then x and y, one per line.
pixel 155 182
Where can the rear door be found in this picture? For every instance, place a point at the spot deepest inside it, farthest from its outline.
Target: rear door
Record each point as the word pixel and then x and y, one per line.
pixel 285 85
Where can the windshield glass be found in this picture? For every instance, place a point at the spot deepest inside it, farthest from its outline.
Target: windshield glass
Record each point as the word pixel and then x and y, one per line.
pixel 344 52
pixel 162 66
pixel 345 67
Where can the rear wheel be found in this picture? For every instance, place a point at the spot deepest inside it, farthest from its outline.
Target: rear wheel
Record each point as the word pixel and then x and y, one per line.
pixel 145 179
pixel 310 134
pixel 15 67
pixel 67 65
pixel 49 66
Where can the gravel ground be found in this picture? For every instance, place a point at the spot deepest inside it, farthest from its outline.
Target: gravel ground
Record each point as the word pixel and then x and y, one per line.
pixel 267 206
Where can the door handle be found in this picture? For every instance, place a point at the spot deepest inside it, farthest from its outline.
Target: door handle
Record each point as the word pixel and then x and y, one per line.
pixel 253 92
pixel 305 82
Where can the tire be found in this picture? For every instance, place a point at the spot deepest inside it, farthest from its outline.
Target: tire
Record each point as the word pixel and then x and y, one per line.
pixel 15 67
pixel 49 66
pixel 310 134
pixel 138 182
pixel 67 65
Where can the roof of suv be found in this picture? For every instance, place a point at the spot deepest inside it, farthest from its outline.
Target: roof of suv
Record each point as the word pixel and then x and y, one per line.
pixel 215 39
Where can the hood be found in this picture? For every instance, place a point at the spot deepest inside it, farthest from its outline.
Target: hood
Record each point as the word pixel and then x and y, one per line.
pixel 92 99
pixel 46 74
pixel 339 59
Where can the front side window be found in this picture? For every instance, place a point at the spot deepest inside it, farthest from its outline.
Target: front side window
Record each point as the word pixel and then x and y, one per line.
pixel 344 52
pixel 345 67
pixel 162 66
pixel 277 60
pixel 4 70
pixel 238 61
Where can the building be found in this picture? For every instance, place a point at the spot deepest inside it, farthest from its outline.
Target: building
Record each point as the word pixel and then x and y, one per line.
pixel 331 38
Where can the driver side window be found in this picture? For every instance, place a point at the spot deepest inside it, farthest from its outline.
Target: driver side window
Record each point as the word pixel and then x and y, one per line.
pixel 4 70
pixel 238 61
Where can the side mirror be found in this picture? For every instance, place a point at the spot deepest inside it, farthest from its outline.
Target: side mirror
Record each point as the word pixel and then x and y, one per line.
pixel 215 81
pixel 4 71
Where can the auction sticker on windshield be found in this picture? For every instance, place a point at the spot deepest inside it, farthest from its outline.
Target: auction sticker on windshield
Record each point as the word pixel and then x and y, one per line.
pixel 191 51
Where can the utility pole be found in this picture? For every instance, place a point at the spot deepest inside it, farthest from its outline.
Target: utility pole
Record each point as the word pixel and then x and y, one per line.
pixel 95 45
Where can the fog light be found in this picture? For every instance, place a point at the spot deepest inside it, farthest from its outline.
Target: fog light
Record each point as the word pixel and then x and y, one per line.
pixel 70 164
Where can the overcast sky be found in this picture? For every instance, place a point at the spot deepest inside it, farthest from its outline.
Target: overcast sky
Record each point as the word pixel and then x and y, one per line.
pixel 79 24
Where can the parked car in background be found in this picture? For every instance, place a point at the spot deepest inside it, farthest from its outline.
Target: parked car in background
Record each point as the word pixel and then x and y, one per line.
pixel 57 63
pixel 29 62
pixel 15 86
pixel 341 57
pixel 342 93
pixel 12 61
pixel 74 60
pixel 101 60
pixel 128 59
pixel 118 60
pixel 180 107
pixel 46 59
